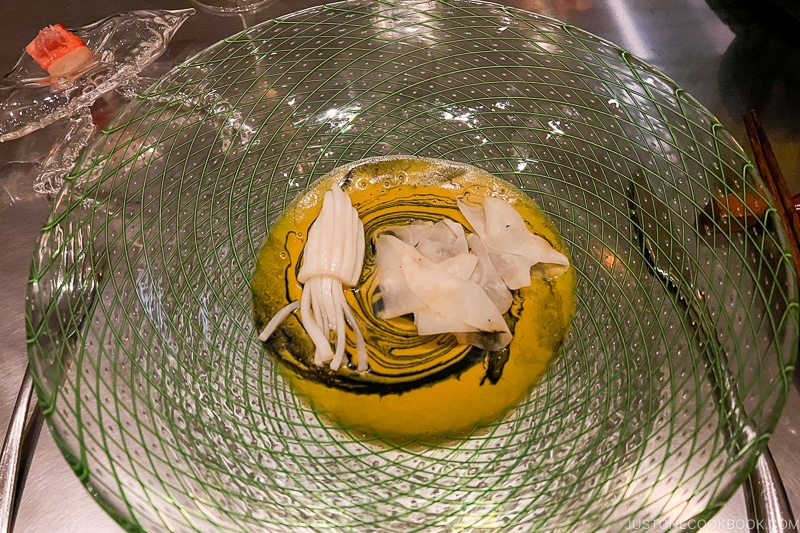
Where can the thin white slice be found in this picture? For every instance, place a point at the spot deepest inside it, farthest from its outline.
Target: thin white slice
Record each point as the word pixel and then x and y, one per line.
pixel 451 295
pixel 411 233
pixel 444 240
pixel 430 322
pixel 396 296
pixel 515 270
pixel 461 265
pixel 507 232
pixel 487 277
pixel 487 341
pixel 512 248
pixel 475 215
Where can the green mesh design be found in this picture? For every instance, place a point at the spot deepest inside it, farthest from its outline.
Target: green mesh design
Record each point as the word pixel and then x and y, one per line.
pixel 139 317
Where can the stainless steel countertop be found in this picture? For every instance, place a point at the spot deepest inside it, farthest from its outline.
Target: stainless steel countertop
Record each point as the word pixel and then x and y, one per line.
pixel 749 62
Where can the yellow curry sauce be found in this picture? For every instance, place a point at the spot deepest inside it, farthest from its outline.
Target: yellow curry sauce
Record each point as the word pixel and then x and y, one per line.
pixel 418 387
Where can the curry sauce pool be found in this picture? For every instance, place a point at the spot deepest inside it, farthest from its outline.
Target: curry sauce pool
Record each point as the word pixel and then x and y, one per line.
pixel 417 387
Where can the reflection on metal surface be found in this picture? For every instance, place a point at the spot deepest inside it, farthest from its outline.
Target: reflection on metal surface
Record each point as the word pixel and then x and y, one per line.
pixel 631 34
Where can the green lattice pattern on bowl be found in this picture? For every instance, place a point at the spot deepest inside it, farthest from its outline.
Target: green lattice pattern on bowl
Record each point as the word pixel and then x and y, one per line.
pixel 140 328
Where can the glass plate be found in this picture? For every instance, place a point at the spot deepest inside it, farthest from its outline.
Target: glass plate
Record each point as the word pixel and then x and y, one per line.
pixel 139 311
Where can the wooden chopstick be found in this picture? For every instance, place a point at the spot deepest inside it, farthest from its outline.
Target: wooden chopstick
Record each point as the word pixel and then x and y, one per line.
pixel 771 173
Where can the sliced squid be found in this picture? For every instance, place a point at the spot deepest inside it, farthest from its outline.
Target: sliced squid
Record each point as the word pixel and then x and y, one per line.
pixel 333 257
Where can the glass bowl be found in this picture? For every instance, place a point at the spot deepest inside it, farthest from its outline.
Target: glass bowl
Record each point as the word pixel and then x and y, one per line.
pixel 139 316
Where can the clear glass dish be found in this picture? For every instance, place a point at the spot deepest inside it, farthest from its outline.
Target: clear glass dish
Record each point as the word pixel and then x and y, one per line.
pixel 139 309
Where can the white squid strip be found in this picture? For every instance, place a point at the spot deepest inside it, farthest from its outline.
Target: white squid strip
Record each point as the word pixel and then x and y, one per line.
pixel 361 346
pixel 340 334
pixel 277 320
pixel 333 258
pixel 323 350
pixel 327 285
pixel 320 312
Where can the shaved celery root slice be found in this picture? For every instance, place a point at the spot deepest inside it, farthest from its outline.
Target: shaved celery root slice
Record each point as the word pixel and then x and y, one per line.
pixel 333 257
pixel 451 295
pixel 412 233
pixel 432 322
pixel 396 297
pixel 485 275
pixel 445 239
pixel 513 249
pixel 457 283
